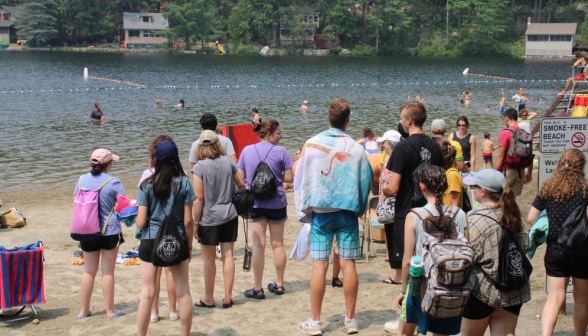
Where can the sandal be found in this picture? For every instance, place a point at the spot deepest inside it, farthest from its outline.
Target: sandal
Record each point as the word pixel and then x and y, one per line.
pixel 275 288
pixel 391 281
pixel 201 304
pixel 337 283
pixel 228 305
pixel 255 294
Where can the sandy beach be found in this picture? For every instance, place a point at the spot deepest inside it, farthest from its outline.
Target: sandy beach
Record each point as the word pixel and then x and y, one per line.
pixel 49 212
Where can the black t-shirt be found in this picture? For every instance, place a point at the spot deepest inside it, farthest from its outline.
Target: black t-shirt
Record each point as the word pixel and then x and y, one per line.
pixel 558 212
pixel 96 115
pixel 405 160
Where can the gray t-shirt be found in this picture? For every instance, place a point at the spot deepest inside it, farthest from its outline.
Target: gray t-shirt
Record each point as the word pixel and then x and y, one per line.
pixel 217 179
pixel 225 142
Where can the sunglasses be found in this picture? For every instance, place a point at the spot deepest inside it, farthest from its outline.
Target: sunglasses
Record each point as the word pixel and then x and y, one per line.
pixel 462 125
pixel 278 133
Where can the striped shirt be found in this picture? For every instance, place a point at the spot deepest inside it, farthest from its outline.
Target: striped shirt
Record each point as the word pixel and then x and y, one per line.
pixel 485 237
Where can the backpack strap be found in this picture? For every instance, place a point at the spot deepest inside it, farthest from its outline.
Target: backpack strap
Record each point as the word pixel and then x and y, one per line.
pixel 265 155
pixel 422 213
pixel 451 211
pixel 103 184
pixel 111 210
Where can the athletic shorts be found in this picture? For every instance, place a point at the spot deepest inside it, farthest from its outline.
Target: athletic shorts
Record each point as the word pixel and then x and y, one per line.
pixel 223 233
pixel 581 76
pixel 515 180
pixel 522 107
pixel 146 248
pixel 478 310
pixel 560 264
pixel 487 158
pixel 272 215
pixel 324 227
pixel 104 243
pixel 395 237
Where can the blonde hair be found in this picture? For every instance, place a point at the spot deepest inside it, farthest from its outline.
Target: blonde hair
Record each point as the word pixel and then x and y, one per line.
pixel 211 152
pixel 568 176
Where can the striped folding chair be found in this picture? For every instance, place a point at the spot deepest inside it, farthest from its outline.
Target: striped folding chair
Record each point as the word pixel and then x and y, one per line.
pixel 21 278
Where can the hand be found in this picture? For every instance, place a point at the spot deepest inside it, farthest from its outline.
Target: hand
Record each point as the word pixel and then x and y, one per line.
pixel 247 216
pixel 399 300
pixel 528 177
pixel 196 232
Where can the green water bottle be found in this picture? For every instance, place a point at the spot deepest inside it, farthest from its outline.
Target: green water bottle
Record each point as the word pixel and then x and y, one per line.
pixel 416 271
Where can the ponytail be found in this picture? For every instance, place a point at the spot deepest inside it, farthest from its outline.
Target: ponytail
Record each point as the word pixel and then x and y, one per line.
pixel 97 168
pixel 511 214
pixel 435 180
pixel 265 127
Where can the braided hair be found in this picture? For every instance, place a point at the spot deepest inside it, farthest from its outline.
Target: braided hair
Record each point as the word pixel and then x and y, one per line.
pixel 435 181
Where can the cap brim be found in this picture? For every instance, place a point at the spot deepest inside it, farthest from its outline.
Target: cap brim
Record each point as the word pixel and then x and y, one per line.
pixel 114 157
pixel 470 181
pixel 381 140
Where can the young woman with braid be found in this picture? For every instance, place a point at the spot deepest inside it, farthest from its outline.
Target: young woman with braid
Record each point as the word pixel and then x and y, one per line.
pixel 560 195
pixel 452 195
pixel 433 184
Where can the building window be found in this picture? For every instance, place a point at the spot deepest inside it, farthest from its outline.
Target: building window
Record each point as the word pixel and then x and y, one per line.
pixel 3 30
pixel 537 38
pixel 134 33
pixel 6 16
pixel 316 18
pixel 149 33
pixel 561 38
pixel 146 19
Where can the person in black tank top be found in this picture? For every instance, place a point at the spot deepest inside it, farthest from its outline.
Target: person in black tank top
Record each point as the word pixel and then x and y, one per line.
pixel 467 142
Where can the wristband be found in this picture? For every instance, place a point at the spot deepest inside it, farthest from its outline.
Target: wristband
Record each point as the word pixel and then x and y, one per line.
pixel 403 293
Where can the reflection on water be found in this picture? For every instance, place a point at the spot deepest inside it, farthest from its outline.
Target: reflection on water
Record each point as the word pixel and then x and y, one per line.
pixel 47 138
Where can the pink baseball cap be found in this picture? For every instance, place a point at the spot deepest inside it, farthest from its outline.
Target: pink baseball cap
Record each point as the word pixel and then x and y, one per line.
pixel 103 155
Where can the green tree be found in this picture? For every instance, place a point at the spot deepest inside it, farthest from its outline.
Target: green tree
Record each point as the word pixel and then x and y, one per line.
pixel 36 20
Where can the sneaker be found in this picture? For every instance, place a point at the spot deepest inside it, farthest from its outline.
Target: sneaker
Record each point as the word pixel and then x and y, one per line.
pixel 307 328
pixel 154 318
pixel 174 316
pixel 352 327
pixel 391 326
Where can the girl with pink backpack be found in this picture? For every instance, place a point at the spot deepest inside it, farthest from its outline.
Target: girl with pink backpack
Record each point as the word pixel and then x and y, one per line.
pixel 97 229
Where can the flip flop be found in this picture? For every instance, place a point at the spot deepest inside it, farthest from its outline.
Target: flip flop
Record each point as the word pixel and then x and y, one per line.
pixel 391 281
pixel 121 313
pixel 228 305
pixel 83 317
pixel 203 305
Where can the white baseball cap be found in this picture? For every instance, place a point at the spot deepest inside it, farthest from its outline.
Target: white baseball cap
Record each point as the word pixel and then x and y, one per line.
pixel 392 135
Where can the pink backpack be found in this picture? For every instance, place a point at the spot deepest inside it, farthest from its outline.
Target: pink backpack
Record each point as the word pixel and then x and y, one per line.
pixel 85 225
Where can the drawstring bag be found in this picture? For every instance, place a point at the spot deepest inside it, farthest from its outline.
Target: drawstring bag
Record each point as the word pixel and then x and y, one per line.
pixel 386 211
pixel 243 201
pixel 168 245
pixel 263 183
pixel 573 236
pixel 85 225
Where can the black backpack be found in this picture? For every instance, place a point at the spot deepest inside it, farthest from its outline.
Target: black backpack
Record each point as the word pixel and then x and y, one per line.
pixel 573 235
pixel 264 183
pixel 418 198
pixel 168 246
pixel 514 268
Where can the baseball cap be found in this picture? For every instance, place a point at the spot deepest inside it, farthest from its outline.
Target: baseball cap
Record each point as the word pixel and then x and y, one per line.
pixel 439 126
pixel 489 179
pixel 166 151
pixel 103 155
pixel 390 135
pixel 208 138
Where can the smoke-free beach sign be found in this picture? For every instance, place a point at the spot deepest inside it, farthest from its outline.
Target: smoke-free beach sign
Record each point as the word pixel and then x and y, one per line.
pixel 559 134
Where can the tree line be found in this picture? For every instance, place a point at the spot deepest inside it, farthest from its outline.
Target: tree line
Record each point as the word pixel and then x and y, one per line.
pixel 394 27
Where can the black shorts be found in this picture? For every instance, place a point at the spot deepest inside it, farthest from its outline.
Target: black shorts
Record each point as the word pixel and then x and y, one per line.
pixel 146 248
pixel 521 107
pixel 272 215
pixel 224 233
pixel 104 243
pixel 395 239
pixel 477 310
pixel 560 264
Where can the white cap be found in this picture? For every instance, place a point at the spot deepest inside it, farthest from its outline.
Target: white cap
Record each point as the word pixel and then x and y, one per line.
pixel 390 135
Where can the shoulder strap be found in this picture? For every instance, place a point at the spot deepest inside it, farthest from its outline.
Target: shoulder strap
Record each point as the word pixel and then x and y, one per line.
pixel 509 129
pixel 111 210
pixel 451 211
pixel 422 213
pixel 103 184
pixel 175 197
pixel 497 222
pixel 265 155
pixel 80 183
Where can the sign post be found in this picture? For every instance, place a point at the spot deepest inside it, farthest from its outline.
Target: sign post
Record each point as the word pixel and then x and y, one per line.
pixel 559 134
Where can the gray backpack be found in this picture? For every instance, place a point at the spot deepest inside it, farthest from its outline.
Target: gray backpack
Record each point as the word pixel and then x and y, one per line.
pixel 521 145
pixel 447 255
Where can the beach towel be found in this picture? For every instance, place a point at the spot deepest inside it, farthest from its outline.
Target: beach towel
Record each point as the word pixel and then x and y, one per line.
pixel 538 234
pixel 302 246
pixel 126 210
pixel 21 276
pixel 333 172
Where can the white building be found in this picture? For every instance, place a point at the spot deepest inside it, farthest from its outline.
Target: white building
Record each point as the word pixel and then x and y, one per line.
pixel 550 39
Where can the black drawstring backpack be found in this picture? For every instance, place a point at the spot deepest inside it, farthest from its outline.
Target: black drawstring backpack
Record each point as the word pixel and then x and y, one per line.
pixel 168 246
pixel 264 183
pixel 243 201
pixel 573 235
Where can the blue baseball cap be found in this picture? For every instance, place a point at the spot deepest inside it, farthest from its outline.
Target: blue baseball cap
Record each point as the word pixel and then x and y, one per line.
pixel 489 179
pixel 166 151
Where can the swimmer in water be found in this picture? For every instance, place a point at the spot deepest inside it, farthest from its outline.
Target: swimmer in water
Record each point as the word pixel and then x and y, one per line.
pixel 97 115
pixel 256 120
pixel 540 101
pixel 181 104
pixel 461 101
pixel 158 103
pixel 500 105
pixel 408 98
pixel 467 96
pixel 304 106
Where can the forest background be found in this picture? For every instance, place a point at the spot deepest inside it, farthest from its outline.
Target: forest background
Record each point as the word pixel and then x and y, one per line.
pixel 479 28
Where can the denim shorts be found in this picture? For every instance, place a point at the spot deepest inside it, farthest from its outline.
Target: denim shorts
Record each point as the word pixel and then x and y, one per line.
pixel 325 226
pixel 272 215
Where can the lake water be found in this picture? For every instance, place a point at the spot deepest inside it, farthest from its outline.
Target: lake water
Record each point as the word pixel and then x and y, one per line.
pixel 46 138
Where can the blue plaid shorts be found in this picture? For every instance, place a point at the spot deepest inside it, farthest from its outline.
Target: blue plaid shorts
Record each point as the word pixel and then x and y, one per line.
pixel 342 224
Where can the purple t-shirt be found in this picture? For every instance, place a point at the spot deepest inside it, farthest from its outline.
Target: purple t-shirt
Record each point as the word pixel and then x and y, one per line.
pixel 278 160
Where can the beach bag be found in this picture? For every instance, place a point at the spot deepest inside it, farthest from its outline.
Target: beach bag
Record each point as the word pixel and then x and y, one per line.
pixel 418 198
pixel 168 245
pixel 301 248
pixel 243 201
pixel 13 219
pixel 85 225
pixel 514 268
pixel 573 235
pixel 521 148
pixel 264 183
pixel 447 256
pixel 386 210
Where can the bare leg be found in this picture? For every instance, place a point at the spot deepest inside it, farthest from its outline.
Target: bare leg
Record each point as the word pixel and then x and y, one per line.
pixel 503 323
pixel 209 256
pixel 171 290
pixel 258 230
pixel 474 327
pixel 350 286
pixel 277 237
pixel 181 283
pixel 568 84
pixel 91 264
pixel 155 306
pixel 557 293
pixel 148 274
pixel 228 270
pixel 317 287
pixel 336 265
pixel 405 329
pixel 108 263
pixel 580 306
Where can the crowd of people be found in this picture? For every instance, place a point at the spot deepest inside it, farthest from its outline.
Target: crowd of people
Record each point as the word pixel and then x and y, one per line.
pixel 332 177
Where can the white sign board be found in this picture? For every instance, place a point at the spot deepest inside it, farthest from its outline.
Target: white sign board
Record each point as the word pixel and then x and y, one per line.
pixel 559 134
pixel 548 163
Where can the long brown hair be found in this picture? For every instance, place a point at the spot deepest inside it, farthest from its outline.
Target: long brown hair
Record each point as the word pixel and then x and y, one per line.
pixel 435 181
pixel 511 214
pixel 267 126
pixel 368 133
pixel 153 144
pixel 568 176
pixel 449 150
